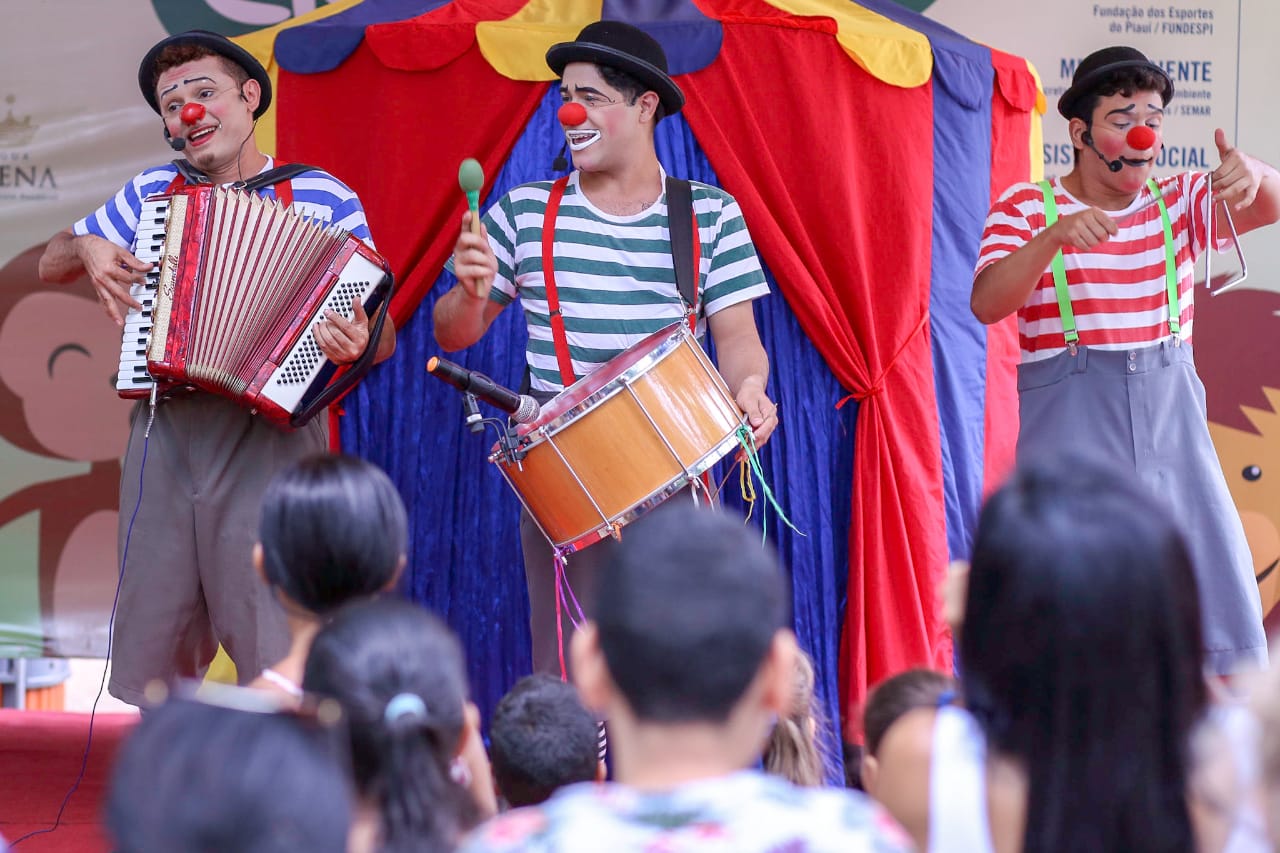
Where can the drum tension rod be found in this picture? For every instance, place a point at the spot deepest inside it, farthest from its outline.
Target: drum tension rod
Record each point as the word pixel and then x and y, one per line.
pixel 509 444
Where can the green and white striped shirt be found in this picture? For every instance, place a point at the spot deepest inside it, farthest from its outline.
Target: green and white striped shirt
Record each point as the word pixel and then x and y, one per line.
pixel 614 274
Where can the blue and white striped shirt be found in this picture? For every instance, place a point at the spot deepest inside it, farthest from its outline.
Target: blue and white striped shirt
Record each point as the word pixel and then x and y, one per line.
pixel 315 193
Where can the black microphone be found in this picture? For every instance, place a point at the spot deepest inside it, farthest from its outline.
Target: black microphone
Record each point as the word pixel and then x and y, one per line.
pixel 522 408
pixel 176 143
pixel 560 163
pixel 1114 165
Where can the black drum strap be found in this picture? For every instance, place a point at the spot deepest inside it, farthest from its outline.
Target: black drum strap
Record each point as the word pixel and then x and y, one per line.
pixel 680 225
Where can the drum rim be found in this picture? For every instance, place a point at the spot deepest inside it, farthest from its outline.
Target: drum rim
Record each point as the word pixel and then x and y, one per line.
pixel 679 332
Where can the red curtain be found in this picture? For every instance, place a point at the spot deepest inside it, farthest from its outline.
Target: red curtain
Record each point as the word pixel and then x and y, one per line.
pixel 413 101
pixel 1012 109
pixel 834 175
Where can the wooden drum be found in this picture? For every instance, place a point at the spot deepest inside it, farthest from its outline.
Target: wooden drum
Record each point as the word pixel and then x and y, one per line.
pixel 618 442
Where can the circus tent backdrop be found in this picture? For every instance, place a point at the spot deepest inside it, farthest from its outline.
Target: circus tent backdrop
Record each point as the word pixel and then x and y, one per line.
pixel 863 142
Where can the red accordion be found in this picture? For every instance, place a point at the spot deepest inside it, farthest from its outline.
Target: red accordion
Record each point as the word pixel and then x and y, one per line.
pixel 239 283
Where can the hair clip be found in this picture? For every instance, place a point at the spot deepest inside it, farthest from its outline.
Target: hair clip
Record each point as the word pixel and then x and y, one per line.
pixel 405 705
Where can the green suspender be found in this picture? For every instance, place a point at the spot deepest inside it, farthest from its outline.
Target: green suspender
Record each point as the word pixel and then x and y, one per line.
pixel 1059 269
pixel 1170 262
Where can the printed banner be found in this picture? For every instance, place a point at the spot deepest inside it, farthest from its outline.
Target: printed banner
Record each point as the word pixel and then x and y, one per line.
pixel 73 130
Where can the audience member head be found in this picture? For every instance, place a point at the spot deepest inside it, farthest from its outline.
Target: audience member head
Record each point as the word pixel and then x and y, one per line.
pixel 794 749
pixel 332 529
pixel 541 738
pixel 897 727
pixel 1081 654
pixel 689 630
pixel 196 778
pixel 895 696
pixel 398 673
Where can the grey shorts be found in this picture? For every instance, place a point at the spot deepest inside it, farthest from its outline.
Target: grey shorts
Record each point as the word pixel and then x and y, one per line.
pixel 188 582
pixel 1146 407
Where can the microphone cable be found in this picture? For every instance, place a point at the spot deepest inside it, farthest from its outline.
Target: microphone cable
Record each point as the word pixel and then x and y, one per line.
pixel 106 664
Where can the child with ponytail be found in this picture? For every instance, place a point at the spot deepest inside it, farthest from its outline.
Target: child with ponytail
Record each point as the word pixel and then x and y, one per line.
pixel 418 762
pixel 793 750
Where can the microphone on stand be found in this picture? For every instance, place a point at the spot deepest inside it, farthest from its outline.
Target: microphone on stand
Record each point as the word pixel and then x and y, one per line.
pixel 522 408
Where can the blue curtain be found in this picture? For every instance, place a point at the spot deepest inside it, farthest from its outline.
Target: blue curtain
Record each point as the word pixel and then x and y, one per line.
pixel 465 560
pixel 963 85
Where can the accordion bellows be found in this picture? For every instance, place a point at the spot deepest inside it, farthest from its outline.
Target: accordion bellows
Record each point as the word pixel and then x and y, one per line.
pixel 239 285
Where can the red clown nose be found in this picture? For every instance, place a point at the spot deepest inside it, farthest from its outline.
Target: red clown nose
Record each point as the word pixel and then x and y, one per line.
pixel 1141 138
pixel 572 115
pixel 192 113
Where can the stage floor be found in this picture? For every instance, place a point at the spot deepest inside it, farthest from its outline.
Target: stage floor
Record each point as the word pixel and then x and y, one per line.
pixel 41 753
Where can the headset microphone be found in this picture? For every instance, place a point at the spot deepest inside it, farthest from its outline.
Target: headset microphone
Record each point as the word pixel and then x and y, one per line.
pixel 176 143
pixel 1114 165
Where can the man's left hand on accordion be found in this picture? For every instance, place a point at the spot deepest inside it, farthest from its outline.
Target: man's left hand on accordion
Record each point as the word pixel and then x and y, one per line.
pixel 343 341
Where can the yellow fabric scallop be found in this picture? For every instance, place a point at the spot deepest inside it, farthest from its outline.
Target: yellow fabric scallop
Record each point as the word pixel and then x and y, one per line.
pixel 517 47
pixel 890 52
pixel 1037 128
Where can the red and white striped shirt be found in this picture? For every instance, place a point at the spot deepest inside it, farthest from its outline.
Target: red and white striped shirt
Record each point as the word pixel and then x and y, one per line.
pixel 1117 288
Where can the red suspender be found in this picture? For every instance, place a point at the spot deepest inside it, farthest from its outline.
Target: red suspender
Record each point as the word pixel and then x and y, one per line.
pixel 558 335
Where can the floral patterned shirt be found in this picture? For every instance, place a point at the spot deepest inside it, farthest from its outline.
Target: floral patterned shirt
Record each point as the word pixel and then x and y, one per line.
pixel 747 812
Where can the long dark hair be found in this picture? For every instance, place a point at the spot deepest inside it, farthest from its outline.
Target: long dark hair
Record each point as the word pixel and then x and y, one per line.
pixel 332 528
pixel 196 778
pixel 1081 655
pixel 398 673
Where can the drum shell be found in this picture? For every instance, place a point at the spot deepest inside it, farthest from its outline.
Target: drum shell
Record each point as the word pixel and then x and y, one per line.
pixel 627 446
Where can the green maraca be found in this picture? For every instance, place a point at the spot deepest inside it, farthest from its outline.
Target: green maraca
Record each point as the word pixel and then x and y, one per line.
pixel 471 179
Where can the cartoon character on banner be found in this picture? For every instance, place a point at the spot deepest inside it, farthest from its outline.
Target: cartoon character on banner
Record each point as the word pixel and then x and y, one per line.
pixel 58 359
pixel 1235 336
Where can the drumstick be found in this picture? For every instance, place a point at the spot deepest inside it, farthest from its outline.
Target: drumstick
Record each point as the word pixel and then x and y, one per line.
pixel 471 179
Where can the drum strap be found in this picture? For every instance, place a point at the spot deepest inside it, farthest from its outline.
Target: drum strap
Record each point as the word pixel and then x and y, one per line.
pixel 686 257
pixel 686 245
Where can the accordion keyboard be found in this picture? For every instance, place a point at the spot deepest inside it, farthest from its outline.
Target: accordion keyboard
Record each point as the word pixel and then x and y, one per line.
pixel 148 248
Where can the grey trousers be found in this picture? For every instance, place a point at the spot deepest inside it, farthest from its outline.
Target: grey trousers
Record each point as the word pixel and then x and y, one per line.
pixel 188 583
pixel 582 569
pixel 1146 407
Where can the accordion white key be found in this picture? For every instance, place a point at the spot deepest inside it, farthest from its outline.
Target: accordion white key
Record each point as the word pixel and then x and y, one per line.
pixel 230 308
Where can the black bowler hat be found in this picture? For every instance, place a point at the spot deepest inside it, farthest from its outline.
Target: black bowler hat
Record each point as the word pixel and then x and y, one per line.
pixel 1098 64
pixel 221 45
pixel 625 48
